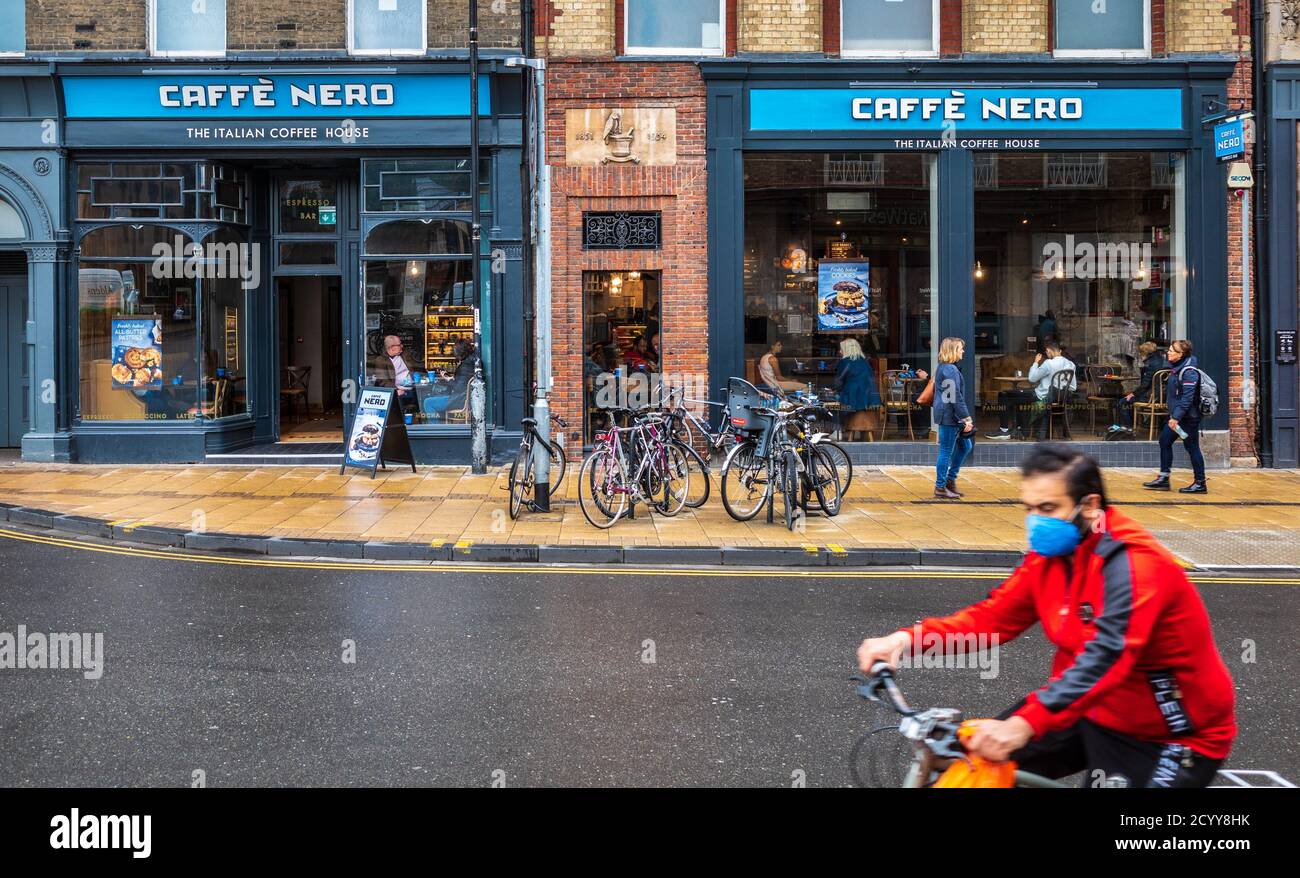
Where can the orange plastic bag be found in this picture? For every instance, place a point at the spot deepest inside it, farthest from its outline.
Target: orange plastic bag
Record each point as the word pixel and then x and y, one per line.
pixel 978 772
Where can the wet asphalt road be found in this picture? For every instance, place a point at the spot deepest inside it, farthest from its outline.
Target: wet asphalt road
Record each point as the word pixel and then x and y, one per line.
pixel 531 677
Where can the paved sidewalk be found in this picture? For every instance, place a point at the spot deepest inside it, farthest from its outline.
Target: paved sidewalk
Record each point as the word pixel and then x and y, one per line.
pixel 1251 517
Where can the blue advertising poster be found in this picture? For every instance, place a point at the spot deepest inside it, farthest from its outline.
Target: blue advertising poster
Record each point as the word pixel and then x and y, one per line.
pixel 1230 140
pixel 367 435
pixel 137 353
pixel 843 288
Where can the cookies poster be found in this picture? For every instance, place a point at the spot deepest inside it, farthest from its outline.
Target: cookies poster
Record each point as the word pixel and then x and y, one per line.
pixel 137 353
pixel 842 300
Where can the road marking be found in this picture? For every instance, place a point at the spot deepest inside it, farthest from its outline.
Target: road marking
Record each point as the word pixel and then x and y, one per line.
pixel 534 568
pixel 836 549
pixel 1242 778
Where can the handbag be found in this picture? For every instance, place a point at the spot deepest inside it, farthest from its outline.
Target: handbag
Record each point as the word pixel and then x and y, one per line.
pixel 926 396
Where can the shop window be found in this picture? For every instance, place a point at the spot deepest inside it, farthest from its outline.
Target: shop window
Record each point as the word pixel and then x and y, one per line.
pixel 187 27
pixel 1110 28
pixel 308 253
pixel 423 185
pixel 622 356
pixel 889 27
pixel 1088 258
pixel 840 264
pixel 419 237
pixel 387 27
pixel 671 27
pixel 180 190
pixel 152 340
pixel 419 316
pixel 13 36
pixel 11 223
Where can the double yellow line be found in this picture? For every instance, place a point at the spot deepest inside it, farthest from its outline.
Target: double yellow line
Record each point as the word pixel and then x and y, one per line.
pixel 569 569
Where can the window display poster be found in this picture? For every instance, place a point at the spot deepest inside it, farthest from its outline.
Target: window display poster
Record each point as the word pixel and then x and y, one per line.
pixel 842 301
pixel 137 353
pixel 368 426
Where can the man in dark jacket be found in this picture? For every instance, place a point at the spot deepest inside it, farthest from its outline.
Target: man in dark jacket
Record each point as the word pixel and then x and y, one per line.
pixel 1183 393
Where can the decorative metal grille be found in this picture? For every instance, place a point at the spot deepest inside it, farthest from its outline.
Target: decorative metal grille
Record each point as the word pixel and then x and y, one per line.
pixel 986 170
pixel 1076 171
pixel 622 230
pixel 854 169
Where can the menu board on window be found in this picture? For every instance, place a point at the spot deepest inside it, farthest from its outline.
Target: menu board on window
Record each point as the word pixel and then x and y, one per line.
pixel 137 353
pixel 842 295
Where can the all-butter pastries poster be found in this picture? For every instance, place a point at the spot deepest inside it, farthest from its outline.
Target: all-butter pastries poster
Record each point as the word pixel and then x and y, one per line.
pixel 842 295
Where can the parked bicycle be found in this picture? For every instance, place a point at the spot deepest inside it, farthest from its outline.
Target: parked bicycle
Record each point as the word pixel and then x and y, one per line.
pixel 931 735
pixel 775 455
pixel 633 464
pixel 523 474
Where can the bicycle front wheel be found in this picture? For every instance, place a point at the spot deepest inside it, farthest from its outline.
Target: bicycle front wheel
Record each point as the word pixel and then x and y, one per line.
pixel 521 481
pixel 789 481
pixel 602 489
pixel 558 466
pixel 675 480
pixel 700 487
pixel 824 481
pixel 745 483
pixel 840 460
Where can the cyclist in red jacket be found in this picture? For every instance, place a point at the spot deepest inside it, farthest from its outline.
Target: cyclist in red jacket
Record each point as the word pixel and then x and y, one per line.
pixel 1138 694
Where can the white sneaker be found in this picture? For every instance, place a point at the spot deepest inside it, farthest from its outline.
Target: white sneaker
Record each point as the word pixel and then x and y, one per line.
pixel 1000 434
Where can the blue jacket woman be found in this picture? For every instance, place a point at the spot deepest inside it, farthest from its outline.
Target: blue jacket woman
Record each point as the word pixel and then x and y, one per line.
pixel 1182 393
pixel 859 395
pixel 956 428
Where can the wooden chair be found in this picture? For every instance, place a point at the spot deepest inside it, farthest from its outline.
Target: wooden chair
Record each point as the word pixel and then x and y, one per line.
pixel 1094 384
pixel 896 401
pixel 1057 405
pixel 296 381
pixel 460 415
pixel 1155 407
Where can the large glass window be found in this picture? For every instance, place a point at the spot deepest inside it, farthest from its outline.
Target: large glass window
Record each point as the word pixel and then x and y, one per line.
pixel 13 36
pixel 157 344
pixel 840 259
pixel 11 223
pixel 187 27
pixel 665 27
pixel 1103 27
pixel 387 27
pixel 423 185
pixel 622 348
pixel 161 190
pixel 1079 266
pixel 889 27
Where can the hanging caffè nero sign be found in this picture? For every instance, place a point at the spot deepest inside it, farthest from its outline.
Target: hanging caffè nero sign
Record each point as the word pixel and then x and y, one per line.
pixel 621 136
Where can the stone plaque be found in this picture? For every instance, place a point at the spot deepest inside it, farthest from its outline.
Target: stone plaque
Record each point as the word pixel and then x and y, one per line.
pixel 627 136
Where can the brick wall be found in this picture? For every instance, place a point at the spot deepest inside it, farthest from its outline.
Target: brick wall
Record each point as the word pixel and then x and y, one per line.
pixel 780 26
pixel 1000 26
pixel 1207 25
pixel 575 28
pixel 118 25
pixel 285 25
pixel 1241 423
pixel 678 191
pixel 498 24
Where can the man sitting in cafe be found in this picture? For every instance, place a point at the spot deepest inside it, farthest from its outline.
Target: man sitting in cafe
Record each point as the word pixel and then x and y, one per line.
pixel 1021 402
pixel 389 369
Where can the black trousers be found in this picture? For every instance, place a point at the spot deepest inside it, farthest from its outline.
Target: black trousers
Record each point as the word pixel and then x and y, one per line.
pixel 1018 404
pixel 1109 759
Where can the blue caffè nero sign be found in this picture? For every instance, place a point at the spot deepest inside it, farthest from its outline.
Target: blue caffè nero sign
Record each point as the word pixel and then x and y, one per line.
pixel 1022 110
pixel 301 95
pixel 1230 140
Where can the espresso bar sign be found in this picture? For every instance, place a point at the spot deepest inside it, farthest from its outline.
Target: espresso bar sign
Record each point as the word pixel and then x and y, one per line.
pixel 621 136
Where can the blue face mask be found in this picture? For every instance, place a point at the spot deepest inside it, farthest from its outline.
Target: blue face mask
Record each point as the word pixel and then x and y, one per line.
pixel 1053 537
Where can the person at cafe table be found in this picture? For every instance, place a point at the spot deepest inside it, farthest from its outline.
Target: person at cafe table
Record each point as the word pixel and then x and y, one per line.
pixel 389 369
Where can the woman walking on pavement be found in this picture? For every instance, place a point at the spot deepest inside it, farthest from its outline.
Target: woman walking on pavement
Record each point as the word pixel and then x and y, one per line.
pixel 956 427
pixel 1183 396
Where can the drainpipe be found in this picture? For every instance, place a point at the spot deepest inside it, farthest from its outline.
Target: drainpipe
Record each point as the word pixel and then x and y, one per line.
pixel 477 387
pixel 1263 291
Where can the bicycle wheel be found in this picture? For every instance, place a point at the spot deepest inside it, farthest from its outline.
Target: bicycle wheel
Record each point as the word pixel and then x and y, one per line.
pixel 559 463
pixel 700 482
pixel 824 480
pixel 745 484
pixel 602 491
pixel 675 480
pixel 788 477
pixel 840 459
pixel 880 759
pixel 521 481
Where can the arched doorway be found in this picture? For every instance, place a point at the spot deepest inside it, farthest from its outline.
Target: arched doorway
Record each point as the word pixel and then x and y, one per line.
pixel 14 375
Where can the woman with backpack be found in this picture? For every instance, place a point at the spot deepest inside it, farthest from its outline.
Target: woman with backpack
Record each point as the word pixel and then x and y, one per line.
pixel 1183 392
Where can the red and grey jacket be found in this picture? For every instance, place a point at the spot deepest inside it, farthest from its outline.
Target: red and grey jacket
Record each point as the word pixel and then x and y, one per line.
pixel 1135 652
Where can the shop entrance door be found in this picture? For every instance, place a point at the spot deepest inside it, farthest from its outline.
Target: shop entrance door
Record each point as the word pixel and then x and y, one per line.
pixel 310 359
pixel 14 384
pixel 621 330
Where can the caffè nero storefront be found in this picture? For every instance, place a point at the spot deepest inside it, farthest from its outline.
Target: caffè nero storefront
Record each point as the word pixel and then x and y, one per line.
pixel 883 207
pixel 249 245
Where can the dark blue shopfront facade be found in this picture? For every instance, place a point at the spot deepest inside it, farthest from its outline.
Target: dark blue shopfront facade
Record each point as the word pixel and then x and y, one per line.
pixel 1280 312
pixel 231 138
pixel 953 111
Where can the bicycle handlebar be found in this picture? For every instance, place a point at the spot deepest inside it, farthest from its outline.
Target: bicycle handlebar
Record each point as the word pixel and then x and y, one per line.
pixel 881 681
